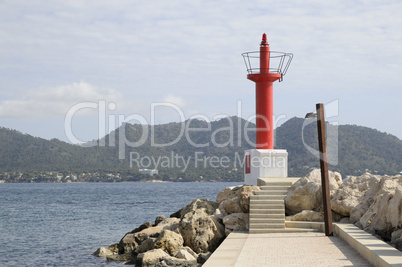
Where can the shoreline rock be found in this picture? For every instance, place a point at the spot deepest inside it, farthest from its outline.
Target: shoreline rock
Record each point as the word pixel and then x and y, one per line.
pixel 371 202
pixel 191 234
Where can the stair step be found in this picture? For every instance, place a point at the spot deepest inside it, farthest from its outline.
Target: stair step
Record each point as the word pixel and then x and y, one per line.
pixel 267 226
pixel 286 230
pixel 265 211
pixel 272 192
pixel 284 183
pixel 274 187
pixel 267 216
pixel 266 220
pixel 266 201
pixel 267 197
pixel 268 206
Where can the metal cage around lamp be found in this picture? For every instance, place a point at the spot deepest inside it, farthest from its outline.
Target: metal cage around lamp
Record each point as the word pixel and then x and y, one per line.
pixel 279 62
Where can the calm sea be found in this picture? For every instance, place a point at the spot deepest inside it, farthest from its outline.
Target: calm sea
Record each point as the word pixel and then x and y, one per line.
pixel 63 224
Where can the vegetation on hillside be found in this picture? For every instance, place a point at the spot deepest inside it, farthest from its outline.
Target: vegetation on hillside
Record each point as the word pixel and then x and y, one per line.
pixel 191 151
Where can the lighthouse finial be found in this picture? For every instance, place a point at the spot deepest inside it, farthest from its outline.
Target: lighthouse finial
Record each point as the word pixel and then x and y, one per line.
pixel 264 41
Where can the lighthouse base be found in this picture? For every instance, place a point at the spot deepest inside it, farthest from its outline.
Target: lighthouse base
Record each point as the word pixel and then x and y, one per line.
pixel 265 163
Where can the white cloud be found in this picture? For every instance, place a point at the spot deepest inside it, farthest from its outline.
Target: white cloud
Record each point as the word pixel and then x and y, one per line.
pixel 189 51
pixel 176 100
pixel 55 101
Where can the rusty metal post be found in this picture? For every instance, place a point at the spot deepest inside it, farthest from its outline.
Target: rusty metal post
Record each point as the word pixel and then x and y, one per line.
pixel 326 198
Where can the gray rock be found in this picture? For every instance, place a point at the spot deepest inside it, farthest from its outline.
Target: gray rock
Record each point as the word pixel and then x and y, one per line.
pixel 238 194
pixel 229 206
pixel 355 195
pixel 201 231
pixel 176 214
pixel 396 239
pixel 106 251
pixel 307 215
pixel 146 245
pixel 120 257
pixel 171 224
pixel 130 241
pixel 203 257
pixel 236 222
pixel 306 193
pixel 159 258
pixel 159 219
pixel 169 241
pixel 384 216
pixel 151 257
pixel 188 250
pixel 142 227
pixel 184 254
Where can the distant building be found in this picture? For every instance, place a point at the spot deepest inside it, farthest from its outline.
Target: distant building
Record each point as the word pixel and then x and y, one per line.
pixel 148 171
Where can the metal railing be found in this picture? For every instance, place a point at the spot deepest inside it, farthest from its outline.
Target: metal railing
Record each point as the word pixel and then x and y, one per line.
pixel 278 62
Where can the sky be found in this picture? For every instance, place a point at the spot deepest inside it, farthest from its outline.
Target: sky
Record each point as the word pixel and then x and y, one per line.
pixel 74 70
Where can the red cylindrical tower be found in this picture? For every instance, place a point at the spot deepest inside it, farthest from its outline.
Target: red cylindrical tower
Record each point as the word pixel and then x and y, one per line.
pixel 264 98
pixel 264 67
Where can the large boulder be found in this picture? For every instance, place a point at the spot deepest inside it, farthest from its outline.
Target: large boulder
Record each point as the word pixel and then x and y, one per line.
pixel 171 224
pixel 230 206
pixel 120 257
pixel 159 258
pixel 146 245
pixel 201 230
pixel 132 240
pixel 186 253
pixel 183 253
pixel 141 227
pixel 306 193
pixel 168 241
pixel 384 216
pixel 236 197
pixel 151 257
pixel 307 215
pixel 236 222
pixel 244 196
pixel 227 193
pixel 355 195
pixel 396 239
pixel 107 251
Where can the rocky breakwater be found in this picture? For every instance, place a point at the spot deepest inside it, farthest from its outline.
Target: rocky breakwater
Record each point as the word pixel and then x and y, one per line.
pixel 189 236
pixel 371 202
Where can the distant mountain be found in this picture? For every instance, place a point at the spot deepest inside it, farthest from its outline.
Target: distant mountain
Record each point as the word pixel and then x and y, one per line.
pixel 358 149
pixel 196 150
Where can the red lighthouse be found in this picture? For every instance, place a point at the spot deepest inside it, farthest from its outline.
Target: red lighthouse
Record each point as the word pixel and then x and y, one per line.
pixel 264 67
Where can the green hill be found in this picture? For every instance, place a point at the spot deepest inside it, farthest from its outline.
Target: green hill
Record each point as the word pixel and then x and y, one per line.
pixel 196 150
pixel 359 149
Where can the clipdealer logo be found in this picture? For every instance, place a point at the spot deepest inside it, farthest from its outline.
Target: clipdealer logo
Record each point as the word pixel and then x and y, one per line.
pixel 237 133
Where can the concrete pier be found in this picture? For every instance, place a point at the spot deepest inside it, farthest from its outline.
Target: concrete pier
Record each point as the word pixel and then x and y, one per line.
pixel 349 247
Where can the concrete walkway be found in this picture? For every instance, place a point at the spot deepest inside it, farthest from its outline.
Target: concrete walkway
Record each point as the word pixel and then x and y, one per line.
pixel 284 249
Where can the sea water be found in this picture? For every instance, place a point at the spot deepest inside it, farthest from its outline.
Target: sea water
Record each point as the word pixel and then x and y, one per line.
pixel 63 224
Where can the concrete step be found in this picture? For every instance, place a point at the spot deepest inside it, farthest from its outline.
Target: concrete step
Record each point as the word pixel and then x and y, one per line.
pixel 267 226
pixel 278 183
pixel 266 201
pixel 269 206
pixel 272 192
pixel 267 197
pixel 265 211
pixel 285 230
pixel 274 187
pixel 267 216
pixel 266 220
